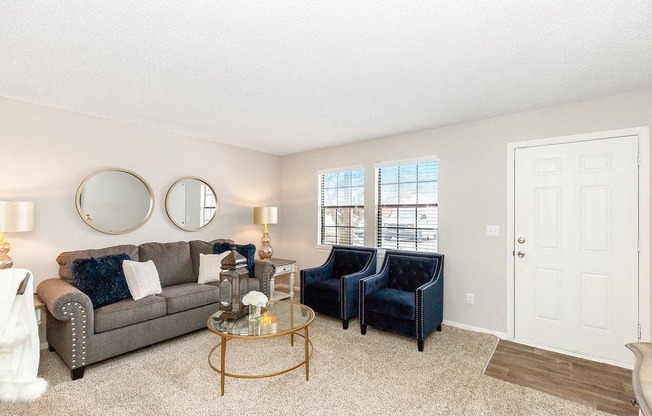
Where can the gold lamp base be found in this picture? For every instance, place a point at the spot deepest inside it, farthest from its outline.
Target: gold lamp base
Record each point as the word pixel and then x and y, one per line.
pixel 265 252
pixel 5 261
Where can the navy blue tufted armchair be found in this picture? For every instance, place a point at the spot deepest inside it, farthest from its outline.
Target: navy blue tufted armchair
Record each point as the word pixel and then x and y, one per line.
pixel 332 288
pixel 407 295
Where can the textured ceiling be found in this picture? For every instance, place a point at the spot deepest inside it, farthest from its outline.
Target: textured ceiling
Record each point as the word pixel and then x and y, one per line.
pixel 289 76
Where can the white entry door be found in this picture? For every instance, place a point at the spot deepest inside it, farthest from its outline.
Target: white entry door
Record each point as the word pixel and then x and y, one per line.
pixel 576 249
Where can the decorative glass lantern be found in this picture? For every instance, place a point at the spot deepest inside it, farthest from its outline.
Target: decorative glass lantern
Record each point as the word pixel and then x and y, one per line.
pixel 234 284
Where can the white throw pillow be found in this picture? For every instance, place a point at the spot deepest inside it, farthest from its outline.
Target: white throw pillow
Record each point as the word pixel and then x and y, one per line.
pixel 142 278
pixel 210 266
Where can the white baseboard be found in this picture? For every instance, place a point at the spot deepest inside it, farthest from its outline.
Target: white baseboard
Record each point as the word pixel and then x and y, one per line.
pixel 43 345
pixel 501 335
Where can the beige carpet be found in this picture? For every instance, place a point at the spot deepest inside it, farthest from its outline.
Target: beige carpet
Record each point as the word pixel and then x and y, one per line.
pixel 351 374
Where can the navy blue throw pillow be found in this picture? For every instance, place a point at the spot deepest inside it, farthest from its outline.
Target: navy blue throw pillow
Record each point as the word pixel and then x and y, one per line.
pixel 246 250
pixel 101 279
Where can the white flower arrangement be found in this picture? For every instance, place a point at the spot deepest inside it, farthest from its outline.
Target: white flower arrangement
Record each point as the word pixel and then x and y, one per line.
pixel 255 298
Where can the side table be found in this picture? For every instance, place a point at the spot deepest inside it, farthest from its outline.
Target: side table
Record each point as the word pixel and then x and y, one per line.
pixel 283 266
pixel 38 307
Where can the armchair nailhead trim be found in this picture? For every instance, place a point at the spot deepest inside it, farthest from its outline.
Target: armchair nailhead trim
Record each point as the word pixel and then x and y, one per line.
pixel 343 292
pixel 361 300
pixel 420 321
pixel 78 314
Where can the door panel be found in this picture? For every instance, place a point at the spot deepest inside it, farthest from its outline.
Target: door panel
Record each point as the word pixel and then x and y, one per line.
pixel 576 207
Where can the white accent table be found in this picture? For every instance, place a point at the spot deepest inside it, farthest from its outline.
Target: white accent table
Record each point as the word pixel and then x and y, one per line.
pixel 38 307
pixel 283 266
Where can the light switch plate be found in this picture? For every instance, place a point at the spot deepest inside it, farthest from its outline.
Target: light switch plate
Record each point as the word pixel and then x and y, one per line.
pixel 493 230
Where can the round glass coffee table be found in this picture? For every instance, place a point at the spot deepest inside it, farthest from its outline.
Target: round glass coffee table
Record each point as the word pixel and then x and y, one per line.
pixel 282 318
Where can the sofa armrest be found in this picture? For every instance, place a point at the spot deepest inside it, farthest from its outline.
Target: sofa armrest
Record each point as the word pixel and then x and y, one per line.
pixel 70 322
pixel 367 286
pixel 430 306
pixel 56 293
pixel 350 291
pixel 375 282
pixel 316 274
pixel 263 271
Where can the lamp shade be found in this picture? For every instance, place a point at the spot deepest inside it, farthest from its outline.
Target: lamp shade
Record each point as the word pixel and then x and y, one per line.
pixel 265 215
pixel 16 216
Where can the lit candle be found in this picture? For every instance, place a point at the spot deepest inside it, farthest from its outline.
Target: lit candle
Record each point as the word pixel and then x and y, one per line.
pixel 267 320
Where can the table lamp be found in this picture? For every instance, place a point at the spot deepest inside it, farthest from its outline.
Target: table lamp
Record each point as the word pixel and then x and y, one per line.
pixel 15 217
pixel 265 216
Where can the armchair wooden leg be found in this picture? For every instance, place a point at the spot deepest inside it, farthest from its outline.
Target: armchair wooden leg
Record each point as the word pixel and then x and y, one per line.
pixel 439 327
pixel 345 323
pixel 363 329
pixel 420 345
pixel 77 373
pixel 50 347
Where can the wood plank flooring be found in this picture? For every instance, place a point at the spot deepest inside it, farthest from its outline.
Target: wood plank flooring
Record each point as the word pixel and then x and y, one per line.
pixel 600 386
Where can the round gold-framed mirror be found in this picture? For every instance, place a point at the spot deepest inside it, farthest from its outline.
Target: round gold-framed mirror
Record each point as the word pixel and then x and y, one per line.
pixel 191 203
pixel 115 201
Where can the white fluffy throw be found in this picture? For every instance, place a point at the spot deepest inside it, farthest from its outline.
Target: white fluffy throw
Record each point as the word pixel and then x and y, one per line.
pixel 19 340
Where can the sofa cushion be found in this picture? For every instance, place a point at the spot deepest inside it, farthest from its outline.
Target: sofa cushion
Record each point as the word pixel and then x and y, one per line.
pixel 172 261
pixel 203 247
pixel 392 302
pixel 128 312
pixel 247 250
pixel 101 278
pixel 66 258
pixel 189 295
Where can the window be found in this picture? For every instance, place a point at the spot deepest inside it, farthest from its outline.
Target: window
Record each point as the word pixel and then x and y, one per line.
pixel 341 208
pixel 407 206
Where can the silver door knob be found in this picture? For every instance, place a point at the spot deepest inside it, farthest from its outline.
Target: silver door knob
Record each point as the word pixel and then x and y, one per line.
pixel 521 240
pixel 520 254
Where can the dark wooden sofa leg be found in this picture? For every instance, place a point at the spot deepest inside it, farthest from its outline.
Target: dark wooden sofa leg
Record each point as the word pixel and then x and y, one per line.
pixel 420 345
pixel 77 373
pixel 50 347
pixel 345 323
pixel 363 329
pixel 439 327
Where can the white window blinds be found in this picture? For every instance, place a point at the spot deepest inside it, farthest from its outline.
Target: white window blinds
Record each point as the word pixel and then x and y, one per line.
pixel 341 207
pixel 408 206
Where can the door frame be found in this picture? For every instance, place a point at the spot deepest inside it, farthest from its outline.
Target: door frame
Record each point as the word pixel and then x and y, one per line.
pixel 645 295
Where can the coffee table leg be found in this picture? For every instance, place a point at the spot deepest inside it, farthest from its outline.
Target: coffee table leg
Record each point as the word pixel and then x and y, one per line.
pixel 306 340
pixel 222 365
pixel 292 325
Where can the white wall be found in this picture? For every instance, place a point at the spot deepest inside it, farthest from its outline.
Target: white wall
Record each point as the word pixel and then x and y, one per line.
pixel 47 153
pixel 472 192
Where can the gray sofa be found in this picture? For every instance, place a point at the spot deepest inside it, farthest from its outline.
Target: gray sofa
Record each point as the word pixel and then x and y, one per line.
pixel 83 336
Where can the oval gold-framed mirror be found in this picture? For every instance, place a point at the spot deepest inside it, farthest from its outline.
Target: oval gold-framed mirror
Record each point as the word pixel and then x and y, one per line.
pixel 114 201
pixel 191 203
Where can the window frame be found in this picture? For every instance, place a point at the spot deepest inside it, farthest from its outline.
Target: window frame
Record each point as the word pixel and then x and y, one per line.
pixel 378 206
pixel 320 207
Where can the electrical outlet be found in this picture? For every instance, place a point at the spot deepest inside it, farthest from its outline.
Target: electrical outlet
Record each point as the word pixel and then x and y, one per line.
pixel 470 299
pixel 493 230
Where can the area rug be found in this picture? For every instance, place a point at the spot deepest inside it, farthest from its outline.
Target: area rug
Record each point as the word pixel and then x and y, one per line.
pixel 350 374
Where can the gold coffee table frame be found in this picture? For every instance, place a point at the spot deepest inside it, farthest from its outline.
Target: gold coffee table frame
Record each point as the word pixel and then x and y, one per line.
pixel 292 331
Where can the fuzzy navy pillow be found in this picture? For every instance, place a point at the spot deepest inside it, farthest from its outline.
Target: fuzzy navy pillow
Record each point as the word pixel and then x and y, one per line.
pixel 101 279
pixel 247 250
